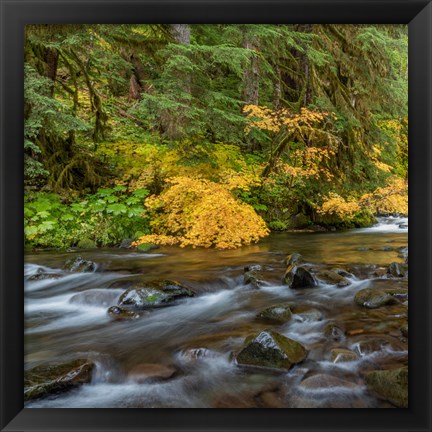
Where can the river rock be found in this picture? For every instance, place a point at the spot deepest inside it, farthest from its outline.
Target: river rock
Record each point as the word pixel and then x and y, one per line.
pixel 86 243
pixel 306 313
pixel 272 350
pixel 326 391
pixel 338 355
pixel 55 378
pixel 277 314
pixel 143 295
pixel 44 276
pixel 390 385
pixel 146 247
pixel 79 265
pixel 332 278
pixel 324 381
pixel 298 277
pixel 151 372
pixel 125 243
pixel 342 272
pixel 397 269
pixel 119 314
pixel 373 298
pixel 252 275
pixel 333 332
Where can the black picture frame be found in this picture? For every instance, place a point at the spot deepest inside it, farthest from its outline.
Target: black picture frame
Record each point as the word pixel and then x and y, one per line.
pixel 15 14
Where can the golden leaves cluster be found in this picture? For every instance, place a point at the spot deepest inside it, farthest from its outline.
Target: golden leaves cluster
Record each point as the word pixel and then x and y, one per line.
pixel 392 198
pixel 199 212
pixel 335 205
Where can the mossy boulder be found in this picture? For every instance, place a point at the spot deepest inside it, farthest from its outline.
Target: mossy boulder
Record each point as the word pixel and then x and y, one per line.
pixel 298 277
pixel 333 278
pixel 56 378
pixel 396 269
pixel 117 313
pixel 86 243
pixel 146 247
pixel 271 350
pixel 277 314
pixel 152 294
pixel 373 298
pixel 79 265
pixel 338 355
pixel 390 385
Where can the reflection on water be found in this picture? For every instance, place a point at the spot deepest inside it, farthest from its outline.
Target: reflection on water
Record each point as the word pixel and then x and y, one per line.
pixel 66 317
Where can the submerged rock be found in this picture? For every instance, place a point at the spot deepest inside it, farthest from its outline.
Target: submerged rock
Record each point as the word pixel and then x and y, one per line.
pixel 298 277
pixel 277 314
pixel 272 350
pixel 55 378
pixel 151 372
pixel 390 385
pixel 118 314
pixel 324 381
pixel 397 269
pixel 333 278
pixel 373 298
pixel 306 313
pixel 338 355
pixel 342 272
pixel 79 265
pixel 143 295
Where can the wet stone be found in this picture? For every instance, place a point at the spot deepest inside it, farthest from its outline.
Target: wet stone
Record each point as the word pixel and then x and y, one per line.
pixel 333 278
pixel 276 314
pixel 397 269
pixel 56 378
pixel 271 350
pixel 44 276
pixel 373 298
pixel 298 277
pixel 338 355
pixel 390 385
pixel 118 314
pixel 79 265
pixel 152 294
pixel 151 372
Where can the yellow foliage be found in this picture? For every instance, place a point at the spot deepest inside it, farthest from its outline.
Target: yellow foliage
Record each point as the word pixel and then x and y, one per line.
pixel 392 198
pixel 199 212
pixel 335 205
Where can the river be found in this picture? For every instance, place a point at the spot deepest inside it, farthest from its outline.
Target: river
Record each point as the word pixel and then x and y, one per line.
pixel 67 318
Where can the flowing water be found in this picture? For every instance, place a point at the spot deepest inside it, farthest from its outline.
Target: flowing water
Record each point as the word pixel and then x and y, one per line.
pixel 66 318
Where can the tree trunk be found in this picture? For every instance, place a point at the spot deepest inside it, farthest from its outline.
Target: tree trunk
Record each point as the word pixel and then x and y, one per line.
pixel 251 75
pixel 277 89
pixel 180 33
pixel 134 88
